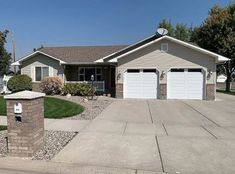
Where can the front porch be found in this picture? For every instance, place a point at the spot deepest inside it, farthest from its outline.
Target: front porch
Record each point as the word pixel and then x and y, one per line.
pixel 104 76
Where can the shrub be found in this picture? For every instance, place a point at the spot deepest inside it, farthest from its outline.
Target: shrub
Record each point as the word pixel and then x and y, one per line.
pixel 85 89
pixel 19 83
pixel 51 85
pixel 71 88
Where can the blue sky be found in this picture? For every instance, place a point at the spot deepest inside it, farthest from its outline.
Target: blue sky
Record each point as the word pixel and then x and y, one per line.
pixel 93 22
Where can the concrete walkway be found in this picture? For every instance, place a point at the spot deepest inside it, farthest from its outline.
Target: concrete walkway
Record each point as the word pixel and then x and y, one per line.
pixel 58 124
pixel 159 136
pixel 19 166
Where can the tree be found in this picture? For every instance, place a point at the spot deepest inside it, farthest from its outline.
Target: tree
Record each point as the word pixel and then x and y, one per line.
pixel 180 31
pixel 217 34
pixel 167 25
pixel 5 57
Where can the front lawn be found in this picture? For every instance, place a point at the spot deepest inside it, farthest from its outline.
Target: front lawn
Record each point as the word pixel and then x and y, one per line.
pixel 223 91
pixel 2 106
pixel 58 108
pixel 3 128
pixel 53 108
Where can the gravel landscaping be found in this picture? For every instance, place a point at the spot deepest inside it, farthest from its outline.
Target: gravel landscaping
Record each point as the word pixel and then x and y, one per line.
pixel 3 144
pixel 55 141
pixel 92 107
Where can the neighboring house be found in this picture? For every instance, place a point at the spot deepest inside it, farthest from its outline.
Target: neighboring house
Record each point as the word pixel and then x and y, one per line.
pixel 156 67
pixel 221 78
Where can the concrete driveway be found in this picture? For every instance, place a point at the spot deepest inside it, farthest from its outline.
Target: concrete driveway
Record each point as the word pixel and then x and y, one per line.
pixel 165 136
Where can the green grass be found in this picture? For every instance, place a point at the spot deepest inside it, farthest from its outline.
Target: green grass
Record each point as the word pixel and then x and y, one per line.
pixel 223 91
pixel 2 106
pixel 58 108
pixel 53 108
pixel 3 128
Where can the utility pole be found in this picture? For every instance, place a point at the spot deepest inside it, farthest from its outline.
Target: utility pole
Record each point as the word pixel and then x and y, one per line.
pixel 13 49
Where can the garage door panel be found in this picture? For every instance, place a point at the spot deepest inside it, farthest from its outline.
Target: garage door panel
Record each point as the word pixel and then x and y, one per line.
pixel 185 85
pixel 140 85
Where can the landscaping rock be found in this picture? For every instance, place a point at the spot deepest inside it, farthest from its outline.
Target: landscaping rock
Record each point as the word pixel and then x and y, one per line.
pixel 3 144
pixel 54 141
pixel 92 107
pixel 68 95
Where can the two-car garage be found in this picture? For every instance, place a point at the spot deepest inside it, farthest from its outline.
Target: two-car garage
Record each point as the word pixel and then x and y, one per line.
pixel 165 68
pixel 183 83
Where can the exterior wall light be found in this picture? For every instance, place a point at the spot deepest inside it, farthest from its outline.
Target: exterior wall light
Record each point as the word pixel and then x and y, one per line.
pixel 118 76
pixel 209 74
pixel 162 75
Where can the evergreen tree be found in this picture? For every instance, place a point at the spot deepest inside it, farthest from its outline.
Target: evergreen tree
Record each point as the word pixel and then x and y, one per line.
pixel 5 57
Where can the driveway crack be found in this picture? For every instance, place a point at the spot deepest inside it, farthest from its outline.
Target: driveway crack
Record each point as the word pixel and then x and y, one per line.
pixel 160 155
pixel 201 114
pixel 164 129
pixel 124 128
pixel 150 113
pixel 209 132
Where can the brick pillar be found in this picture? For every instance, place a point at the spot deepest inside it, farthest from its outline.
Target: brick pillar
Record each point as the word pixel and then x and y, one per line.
pixel 119 90
pixel 210 91
pixel 25 135
pixel 163 91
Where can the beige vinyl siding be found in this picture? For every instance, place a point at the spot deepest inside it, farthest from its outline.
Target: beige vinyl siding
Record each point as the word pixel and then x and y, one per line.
pixel 177 57
pixel 42 60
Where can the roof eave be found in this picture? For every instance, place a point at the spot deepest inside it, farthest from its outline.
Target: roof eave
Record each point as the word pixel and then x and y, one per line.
pixel 87 63
pixel 222 59
pixel 19 62
pixel 218 57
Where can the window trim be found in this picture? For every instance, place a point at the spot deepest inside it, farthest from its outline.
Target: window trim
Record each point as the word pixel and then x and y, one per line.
pixel 164 45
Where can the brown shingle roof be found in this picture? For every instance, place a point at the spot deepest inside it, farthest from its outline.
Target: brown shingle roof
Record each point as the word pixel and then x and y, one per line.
pixel 77 54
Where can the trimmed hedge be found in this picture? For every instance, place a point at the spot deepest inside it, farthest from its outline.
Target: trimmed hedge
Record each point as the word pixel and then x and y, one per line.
pixel 82 89
pixel 19 83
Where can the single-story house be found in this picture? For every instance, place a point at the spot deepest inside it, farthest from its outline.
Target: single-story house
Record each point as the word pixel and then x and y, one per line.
pixel 157 67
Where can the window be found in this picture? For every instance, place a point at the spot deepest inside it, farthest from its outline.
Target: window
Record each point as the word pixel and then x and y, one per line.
pixel 85 74
pixel 177 70
pixel 133 70
pixel 81 74
pixel 98 74
pixel 41 73
pixel 149 70
pixel 164 47
pixel 194 70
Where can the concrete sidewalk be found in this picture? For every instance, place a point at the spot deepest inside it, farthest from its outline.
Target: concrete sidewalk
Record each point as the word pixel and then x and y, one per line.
pixel 19 166
pixel 58 124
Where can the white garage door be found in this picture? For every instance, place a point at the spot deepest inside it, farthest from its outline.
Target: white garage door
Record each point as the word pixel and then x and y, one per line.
pixel 140 83
pixel 185 84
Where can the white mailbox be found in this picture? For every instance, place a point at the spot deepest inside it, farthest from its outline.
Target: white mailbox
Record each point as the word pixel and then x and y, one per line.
pixel 18 112
pixel 18 108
